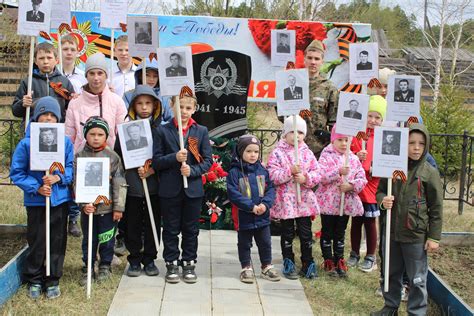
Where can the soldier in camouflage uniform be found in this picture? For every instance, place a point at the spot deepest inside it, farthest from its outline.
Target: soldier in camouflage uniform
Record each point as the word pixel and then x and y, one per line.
pixel 323 100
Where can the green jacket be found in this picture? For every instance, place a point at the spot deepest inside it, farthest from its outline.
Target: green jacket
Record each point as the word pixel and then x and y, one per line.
pixel 417 211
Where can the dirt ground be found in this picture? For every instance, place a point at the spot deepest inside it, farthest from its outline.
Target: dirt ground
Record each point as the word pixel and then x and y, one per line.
pixel 9 247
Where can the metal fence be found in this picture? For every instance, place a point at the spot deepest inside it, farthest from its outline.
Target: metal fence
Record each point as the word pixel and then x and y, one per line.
pixel 453 153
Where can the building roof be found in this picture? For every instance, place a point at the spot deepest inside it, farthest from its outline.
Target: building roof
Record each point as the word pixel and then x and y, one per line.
pixel 428 53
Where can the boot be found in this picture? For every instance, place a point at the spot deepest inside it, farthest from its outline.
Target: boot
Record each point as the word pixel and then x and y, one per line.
pixel 341 267
pixel 385 311
pixel 189 275
pixel 73 229
pixel 309 270
pixel 289 269
pixel 83 280
pixel 105 273
pixel 172 272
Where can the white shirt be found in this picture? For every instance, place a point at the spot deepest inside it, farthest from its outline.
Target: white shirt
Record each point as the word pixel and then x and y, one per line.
pixel 123 81
pixel 78 79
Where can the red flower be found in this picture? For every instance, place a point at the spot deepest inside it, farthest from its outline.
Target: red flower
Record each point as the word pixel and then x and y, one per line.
pixel 261 32
pixel 221 173
pixel 306 32
pixel 211 176
pixel 204 180
pixel 214 217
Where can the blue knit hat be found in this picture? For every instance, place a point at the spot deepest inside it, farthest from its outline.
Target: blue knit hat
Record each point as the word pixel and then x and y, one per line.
pixel 45 105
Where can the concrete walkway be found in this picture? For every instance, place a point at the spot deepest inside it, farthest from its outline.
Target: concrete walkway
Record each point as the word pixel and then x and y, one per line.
pixel 218 290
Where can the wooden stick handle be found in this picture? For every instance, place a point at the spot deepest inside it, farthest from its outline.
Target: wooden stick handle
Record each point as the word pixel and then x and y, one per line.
pixel 144 71
pixel 30 78
pixel 297 158
pixel 150 213
pixel 180 131
pixel 343 194
pixel 48 233
pixel 89 255
pixel 112 41
pixel 60 53
pixel 388 221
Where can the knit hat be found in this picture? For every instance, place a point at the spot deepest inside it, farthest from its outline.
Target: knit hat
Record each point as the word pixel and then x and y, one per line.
pixel 288 125
pixel 96 121
pixel 244 141
pixel 315 45
pixel 97 61
pixel 378 104
pixel 335 135
pixel 384 73
pixel 45 105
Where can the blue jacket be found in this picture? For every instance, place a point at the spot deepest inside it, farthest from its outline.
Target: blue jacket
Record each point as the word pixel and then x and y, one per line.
pixel 165 147
pixel 30 181
pixel 238 170
pixel 167 113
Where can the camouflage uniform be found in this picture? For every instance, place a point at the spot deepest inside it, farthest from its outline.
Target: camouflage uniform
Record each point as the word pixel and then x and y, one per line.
pixel 323 107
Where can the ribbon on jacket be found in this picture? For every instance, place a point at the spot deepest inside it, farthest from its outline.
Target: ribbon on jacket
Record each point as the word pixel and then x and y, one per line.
pixel 56 166
pixel 63 92
pixel 193 148
pixel 399 174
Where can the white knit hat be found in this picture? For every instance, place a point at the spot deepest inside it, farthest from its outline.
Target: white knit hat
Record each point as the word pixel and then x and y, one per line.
pixel 384 73
pixel 97 61
pixel 288 125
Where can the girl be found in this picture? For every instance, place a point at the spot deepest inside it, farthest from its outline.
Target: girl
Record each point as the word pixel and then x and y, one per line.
pixel 329 192
pixel 377 109
pixel 285 173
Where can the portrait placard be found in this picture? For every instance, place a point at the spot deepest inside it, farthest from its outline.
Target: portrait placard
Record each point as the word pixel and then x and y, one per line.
pixel 136 142
pixel 92 178
pixel 363 62
pixel 283 43
pixel 142 35
pixel 403 97
pixel 34 16
pixel 352 113
pixel 292 88
pixel 60 13
pixel 390 151
pixel 175 66
pixel 46 145
pixel 112 13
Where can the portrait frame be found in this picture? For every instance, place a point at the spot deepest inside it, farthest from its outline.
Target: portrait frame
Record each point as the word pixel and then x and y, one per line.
pixel 135 153
pixel 112 13
pixel 32 26
pixel 400 107
pixel 171 85
pixel 347 122
pixel 385 164
pixel 138 45
pixel 88 192
pixel 281 56
pixel 43 153
pixel 291 106
pixel 363 76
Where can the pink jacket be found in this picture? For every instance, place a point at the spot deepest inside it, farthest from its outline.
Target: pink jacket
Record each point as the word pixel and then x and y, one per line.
pixel 328 192
pixel 279 163
pixel 87 105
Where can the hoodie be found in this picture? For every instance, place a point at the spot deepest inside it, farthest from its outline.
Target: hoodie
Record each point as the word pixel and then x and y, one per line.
pixel 417 211
pixel 167 113
pixel 247 194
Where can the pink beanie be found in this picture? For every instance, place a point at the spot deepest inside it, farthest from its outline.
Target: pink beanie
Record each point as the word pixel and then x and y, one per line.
pixel 335 135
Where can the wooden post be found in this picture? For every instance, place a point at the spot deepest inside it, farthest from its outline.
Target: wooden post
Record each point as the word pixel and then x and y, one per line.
pixel 150 213
pixel 180 132
pixel 89 255
pixel 388 220
pixel 30 78
pixel 144 71
pixel 297 158
pixel 112 40
pixel 48 233
pixel 343 194
pixel 60 52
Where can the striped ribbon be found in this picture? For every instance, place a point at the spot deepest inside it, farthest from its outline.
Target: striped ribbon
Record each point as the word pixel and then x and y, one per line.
pixel 345 40
pixel 58 88
pixel 101 198
pixel 45 35
pixel 399 174
pixel 64 27
pixel 305 114
pixel 193 148
pixel 290 65
pixel 123 26
pixel 412 119
pixel 353 88
pixel 374 82
pixel 362 136
pixel 147 165
pixel 153 55
pixel 56 166
pixel 186 92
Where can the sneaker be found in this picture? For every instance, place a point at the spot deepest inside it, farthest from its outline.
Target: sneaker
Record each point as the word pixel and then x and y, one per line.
pixel 73 229
pixel 151 269
pixel 53 292
pixel 341 268
pixel 172 272
pixel 289 269
pixel 309 270
pixel 247 275
pixel 270 273
pixel 34 291
pixel 385 311
pixel 353 260
pixel 189 273
pixel 83 280
pixel 120 249
pixel 330 267
pixel 134 270
pixel 105 272
pixel 405 291
pixel 369 264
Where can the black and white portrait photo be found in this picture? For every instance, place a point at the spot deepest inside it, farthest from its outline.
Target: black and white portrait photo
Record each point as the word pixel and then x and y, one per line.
pixel 177 67
pixel 35 14
pixel 48 139
pixel 364 63
pixel 391 143
pixel 292 92
pixel 143 33
pixel 404 90
pixel 93 174
pixel 283 43
pixel 352 111
pixel 136 136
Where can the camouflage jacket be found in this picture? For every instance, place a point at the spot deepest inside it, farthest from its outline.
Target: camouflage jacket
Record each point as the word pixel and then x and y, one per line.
pixel 323 106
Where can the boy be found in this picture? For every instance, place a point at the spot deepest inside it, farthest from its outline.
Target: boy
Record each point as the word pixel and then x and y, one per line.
pixel 124 70
pixel 417 209
pixel 37 186
pixel 181 207
pixel 69 47
pixel 251 190
pixel 45 77
pixel 144 105
pixel 96 131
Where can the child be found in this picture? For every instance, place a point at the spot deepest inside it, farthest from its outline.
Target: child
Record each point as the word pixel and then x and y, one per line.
pixel 377 109
pixel 69 56
pixel 181 207
pixel 37 186
pixel 329 191
pixel 417 210
pixel 249 187
pixel 124 70
pixel 285 173
pixel 144 105
pixel 45 76
pixel 96 131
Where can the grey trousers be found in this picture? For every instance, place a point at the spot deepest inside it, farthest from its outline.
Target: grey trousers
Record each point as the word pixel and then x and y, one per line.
pixel 413 259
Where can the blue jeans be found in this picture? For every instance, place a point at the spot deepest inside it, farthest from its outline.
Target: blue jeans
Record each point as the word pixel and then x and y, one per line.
pixel 263 240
